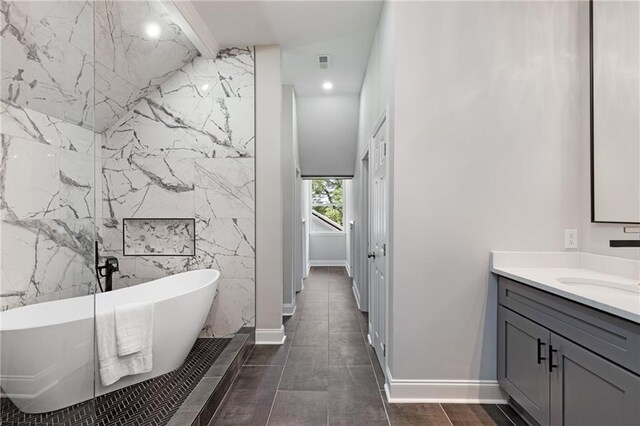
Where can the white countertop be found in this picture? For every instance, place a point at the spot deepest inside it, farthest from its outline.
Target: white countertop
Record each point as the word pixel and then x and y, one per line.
pixel 542 271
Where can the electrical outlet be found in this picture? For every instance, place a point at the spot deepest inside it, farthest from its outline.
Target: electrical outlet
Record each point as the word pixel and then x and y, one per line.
pixel 571 238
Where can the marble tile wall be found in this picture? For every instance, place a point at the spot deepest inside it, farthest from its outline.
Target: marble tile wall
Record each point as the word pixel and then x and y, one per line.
pixel 186 150
pixel 129 63
pixel 47 198
pixel 54 66
pixel 46 58
pixel 175 139
pixel 47 150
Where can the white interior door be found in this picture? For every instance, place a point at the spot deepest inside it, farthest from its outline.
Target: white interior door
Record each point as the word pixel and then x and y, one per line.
pixel 378 240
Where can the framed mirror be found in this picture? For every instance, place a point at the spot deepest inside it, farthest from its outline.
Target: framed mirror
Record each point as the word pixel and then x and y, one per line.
pixel 615 111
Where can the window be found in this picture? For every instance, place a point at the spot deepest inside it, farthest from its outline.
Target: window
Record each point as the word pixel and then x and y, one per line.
pixel 327 205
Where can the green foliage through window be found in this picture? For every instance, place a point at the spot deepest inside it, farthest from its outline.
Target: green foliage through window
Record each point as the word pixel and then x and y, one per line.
pixel 327 199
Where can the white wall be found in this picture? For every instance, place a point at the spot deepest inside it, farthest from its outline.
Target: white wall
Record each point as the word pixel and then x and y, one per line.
pixel 377 94
pixel 289 161
pixel 327 131
pixel 328 249
pixel 269 222
pixel 486 106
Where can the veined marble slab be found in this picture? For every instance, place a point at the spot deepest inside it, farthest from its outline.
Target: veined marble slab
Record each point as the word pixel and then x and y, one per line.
pixel 184 128
pixel 50 56
pixel 46 206
pixel 148 187
pixel 44 259
pixel 176 136
pixel 230 75
pixel 41 68
pixel 129 64
pixel 26 123
pixel 225 187
pixel 186 150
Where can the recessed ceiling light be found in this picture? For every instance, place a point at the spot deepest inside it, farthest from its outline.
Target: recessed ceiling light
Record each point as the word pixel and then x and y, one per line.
pixel 327 85
pixel 205 87
pixel 152 29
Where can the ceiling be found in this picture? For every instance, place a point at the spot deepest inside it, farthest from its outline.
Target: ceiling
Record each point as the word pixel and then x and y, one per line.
pixel 305 29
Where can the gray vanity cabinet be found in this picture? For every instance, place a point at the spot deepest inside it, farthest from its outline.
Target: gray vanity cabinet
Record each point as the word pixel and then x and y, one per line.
pixel 522 363
pixel 564 363
pixel 586 389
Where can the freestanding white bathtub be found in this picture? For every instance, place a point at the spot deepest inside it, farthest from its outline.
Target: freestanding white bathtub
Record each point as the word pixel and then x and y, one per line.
pixel 48 357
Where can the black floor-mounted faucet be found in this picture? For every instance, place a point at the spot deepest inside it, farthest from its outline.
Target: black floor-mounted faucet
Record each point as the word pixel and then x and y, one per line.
pixel 106 271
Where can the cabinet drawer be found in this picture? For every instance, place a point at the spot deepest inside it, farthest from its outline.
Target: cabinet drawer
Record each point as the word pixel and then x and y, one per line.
pixel 613 338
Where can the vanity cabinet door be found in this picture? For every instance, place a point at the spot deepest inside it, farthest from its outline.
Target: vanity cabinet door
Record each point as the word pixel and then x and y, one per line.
pixel 586 389
pixel 522 363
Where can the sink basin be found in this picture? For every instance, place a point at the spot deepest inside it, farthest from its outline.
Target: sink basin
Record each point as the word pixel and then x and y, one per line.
pixel 602 285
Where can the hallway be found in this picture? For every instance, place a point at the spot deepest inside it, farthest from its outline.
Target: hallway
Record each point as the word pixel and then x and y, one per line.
pixel 326 373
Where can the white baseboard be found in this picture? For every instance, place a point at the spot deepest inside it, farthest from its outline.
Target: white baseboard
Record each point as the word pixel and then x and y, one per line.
pixel 270 336
pixel 356 293
pixel 443 391
pixel 288 309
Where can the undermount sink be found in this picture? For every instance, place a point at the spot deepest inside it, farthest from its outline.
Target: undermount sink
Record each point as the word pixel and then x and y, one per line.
pixel 602 285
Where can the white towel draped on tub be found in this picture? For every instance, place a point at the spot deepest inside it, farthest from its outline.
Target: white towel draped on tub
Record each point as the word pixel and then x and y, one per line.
pixel 134 327
pixel 112 366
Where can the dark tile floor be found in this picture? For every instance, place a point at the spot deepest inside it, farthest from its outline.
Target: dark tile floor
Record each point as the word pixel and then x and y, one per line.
pixel 326 373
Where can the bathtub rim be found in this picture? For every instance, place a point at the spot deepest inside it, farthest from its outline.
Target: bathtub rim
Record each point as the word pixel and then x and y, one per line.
pixel 86 305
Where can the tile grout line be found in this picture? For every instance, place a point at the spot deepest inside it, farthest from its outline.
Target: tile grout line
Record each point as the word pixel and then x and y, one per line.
pixel 328 336
pixel 380 392
pixel 248 356
pixel 328 332
pixel 505 414
pixel 222 401
pixel 328 343
pixel 228 391
pixel 284 365
pixel 445 413
pixel 366 343
pixel 328 350
pixel 352 309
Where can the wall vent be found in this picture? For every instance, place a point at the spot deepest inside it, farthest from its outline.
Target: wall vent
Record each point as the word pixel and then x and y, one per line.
pixel 324 61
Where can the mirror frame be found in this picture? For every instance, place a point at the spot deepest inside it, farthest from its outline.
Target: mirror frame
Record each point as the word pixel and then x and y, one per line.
pixel 591 126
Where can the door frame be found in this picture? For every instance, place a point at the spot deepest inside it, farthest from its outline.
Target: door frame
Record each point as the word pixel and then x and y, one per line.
pixel 384 117
pixel 299 229
pixel 365 234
